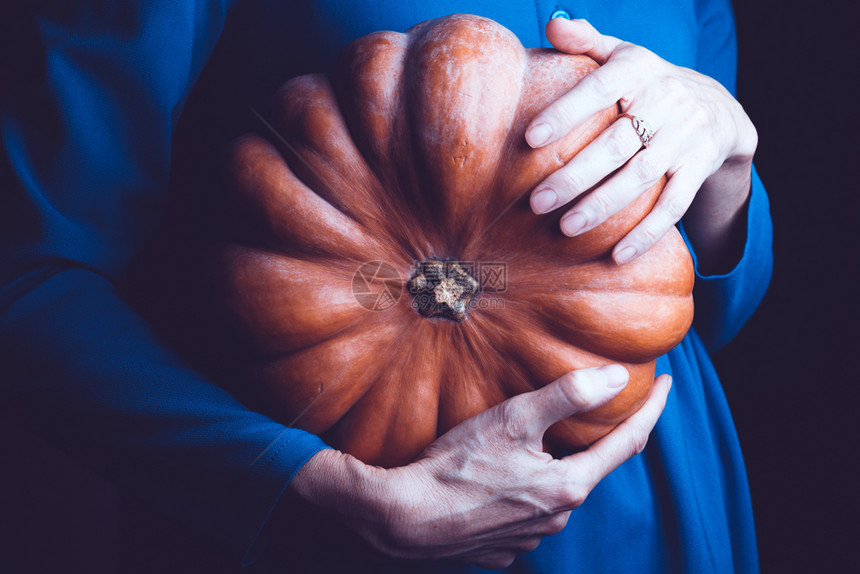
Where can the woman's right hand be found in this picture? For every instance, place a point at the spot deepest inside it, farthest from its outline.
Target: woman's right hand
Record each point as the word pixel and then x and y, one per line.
pixel 484 491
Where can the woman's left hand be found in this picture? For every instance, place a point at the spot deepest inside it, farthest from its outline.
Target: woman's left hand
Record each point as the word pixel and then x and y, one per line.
pixel 702 141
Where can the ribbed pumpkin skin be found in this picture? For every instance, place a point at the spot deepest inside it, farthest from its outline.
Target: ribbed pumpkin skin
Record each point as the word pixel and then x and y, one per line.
pixel 414 149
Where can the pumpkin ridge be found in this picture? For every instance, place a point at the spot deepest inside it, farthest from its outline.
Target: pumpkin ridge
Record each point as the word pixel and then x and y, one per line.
pixel 278 355
pixel 265 190
pixel 388 386
pixel 310 108
pixel 514 368
pixel 458 146
pixel 513 137
pixel 623 332
pixel 254 274
pixel 396 151
pixel 556 330
pixel 470 376
pixel 406 228
pixel 381 337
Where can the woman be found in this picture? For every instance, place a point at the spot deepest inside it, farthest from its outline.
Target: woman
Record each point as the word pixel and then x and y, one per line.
pixel 87 131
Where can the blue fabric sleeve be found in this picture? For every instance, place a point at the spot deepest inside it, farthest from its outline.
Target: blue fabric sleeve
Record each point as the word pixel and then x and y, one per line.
pixel 725 302
pixel 717 52
pixel 86 131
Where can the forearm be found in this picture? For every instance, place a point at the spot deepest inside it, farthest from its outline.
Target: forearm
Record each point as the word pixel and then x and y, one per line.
pixel 716 221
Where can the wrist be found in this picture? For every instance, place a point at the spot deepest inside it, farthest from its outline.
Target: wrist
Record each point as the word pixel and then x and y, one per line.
pixel 355 494
pixel 327 477
pixel 716 222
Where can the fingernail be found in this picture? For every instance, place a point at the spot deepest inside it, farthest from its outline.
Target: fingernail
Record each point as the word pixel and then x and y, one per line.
pixel 538 135
pixel 668 380
pixel 544 200
pixel 625 255
pixel 616 375
pixel 573 223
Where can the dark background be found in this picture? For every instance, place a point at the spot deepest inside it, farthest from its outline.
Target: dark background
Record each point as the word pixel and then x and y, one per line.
pixel 788 377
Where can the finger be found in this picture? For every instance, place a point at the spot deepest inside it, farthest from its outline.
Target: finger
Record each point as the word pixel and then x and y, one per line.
pixel 671 206
pixel 609 151
pixel 626 440
pixel 637 176
pixel 580 37
pixel 538 526
pixel 595 92
pixel 575 392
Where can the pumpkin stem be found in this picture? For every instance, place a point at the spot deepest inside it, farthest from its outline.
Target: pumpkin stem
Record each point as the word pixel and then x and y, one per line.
pixel 442 289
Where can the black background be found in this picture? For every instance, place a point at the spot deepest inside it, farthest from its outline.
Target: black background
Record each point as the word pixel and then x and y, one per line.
pixel 789 375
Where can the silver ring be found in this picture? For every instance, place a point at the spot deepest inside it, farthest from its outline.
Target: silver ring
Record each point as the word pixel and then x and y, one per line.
pixel 643 128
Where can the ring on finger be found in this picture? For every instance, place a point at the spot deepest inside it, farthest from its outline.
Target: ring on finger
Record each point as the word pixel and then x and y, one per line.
pixel 642 127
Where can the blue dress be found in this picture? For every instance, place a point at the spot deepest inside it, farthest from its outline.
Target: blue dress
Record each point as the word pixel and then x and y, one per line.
pixel 87 123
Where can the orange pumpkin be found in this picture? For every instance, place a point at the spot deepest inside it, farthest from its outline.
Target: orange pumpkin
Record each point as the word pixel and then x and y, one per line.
pixel 387 270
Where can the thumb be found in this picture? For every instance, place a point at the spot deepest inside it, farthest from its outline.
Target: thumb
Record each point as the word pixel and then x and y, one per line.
pixel 574 392
pixel 580 37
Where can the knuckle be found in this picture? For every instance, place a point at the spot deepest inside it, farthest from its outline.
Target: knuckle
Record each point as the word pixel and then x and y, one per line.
pixel 575 494
pixel 631 64
pixel 648 236
pixel 674 208
pixel 603 85
pixel 555 524
pixel 649 57
pixel 572 183
pixel 515 418
pixel 641 62
pixel 635 50
pixel 618 144
pixel 674 88
pixel 601 205
pixel 561 115
pixel 712 152
pixel 575 389
pixel 702 116
pixel 750 134
pixel 645 168
pixel 625 47
pixel 594 36
pixel 638 440
pixel 715 153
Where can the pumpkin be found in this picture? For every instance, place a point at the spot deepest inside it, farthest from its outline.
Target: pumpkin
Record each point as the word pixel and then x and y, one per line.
pixel 385 273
